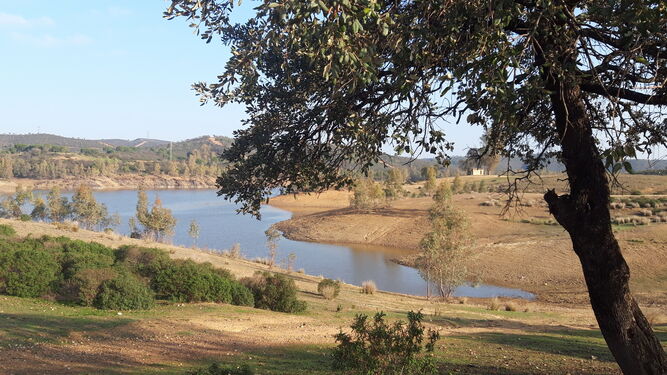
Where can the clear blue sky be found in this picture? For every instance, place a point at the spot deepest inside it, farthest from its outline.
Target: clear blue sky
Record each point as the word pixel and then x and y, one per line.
pixel 112 69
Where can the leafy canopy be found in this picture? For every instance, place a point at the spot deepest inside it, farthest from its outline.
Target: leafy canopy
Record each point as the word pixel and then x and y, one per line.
pixel 327 83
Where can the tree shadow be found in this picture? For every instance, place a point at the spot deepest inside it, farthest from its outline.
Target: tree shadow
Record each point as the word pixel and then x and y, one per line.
pixel 18 329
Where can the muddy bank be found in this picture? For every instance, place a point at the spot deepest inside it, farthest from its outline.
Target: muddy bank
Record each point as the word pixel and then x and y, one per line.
pixel 515 252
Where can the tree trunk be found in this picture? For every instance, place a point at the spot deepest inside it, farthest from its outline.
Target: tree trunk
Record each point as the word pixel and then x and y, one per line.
pixel 584 213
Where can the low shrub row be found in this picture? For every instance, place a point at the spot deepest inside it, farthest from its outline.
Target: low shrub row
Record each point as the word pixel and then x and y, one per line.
pixel 128 278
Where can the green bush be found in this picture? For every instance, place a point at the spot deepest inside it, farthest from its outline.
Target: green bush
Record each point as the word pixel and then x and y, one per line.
pixel 241 295
pixel 274 292
pixel 187 281
pixel 85 285
pixel 328 288
pixel 125 292
pixel 144 261
pixel 378 348
pixel 216 369
pixel 28 272
pixel 79 255
pixel 25 217
pixel 7 231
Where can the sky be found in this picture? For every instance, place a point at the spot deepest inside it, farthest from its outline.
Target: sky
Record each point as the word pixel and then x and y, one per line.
pixel 114 69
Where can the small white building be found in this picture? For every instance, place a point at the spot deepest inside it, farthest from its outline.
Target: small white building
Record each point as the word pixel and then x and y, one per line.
pixel 476 172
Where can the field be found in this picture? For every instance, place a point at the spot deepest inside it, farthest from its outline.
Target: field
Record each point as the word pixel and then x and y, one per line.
pixel 38 336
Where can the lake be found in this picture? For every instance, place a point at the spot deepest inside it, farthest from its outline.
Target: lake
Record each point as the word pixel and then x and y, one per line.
pixel 221 227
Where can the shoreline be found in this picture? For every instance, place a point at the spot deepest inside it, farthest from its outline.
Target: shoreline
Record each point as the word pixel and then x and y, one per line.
pixel 120 182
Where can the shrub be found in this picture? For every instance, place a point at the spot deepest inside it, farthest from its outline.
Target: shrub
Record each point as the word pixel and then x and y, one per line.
pixel 144 261
pixel 494 304
pixel 7 230
pixel 377 348
pixel 368 287
pixel 328 288
pixel 79 255
pixel 241 295
pixel 274 292
pixel 86 284
pixel 25 217
pixel 125 292
pixel 28 272
pixel 187 281
pixel 216 369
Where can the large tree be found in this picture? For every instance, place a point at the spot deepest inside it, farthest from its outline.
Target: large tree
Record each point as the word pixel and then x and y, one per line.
pixel 327 83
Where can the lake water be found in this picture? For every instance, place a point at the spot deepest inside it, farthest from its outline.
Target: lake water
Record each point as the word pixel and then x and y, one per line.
pixel 221 227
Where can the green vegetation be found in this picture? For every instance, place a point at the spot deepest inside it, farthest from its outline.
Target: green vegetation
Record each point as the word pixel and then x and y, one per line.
pixel 129 278
pixel 191 158
pixel 7 230
pixel 216 369
pixel 378 348
pixel 447 247
pixel 274 292
pixel 368 194
pixel 158 222
pixel 329 288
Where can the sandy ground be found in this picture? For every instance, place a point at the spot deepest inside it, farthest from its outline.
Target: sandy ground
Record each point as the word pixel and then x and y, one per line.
pixel 533 257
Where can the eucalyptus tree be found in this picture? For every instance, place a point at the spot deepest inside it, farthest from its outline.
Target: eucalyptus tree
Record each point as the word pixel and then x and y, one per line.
pixel 327 83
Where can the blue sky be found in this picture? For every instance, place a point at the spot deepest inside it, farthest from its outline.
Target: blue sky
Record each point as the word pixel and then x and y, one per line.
pixel 112 69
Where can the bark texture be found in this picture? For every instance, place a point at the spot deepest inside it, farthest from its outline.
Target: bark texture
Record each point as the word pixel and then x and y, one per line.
pixel 584 213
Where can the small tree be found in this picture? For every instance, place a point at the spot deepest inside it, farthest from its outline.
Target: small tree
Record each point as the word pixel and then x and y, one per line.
pixel 193 232
pixel 58 206
pixel 481 188
pixel 394 183
pixel 272 237
pixel 431 182
pixel 367 195
pixel 457 185
pixel 13 204
pixel 39 209
pixel 446 249
pixel 158 222
pixel 86 210
pixel 378 348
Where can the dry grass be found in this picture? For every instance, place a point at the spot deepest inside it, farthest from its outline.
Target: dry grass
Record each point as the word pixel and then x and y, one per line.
pixel 328 292
pixel 368 287
pixel 494 304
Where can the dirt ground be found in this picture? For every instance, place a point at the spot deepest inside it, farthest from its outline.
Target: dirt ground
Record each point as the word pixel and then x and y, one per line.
pixel 44 337
pixel 515 250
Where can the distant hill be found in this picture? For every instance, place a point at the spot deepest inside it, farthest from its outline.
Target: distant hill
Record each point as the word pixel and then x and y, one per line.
pixel 140 148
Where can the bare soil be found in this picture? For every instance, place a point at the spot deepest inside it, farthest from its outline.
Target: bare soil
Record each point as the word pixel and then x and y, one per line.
pixel 515 250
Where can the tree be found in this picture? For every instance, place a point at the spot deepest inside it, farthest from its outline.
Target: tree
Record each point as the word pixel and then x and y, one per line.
pixel 58 207
pixel 13 205
pixel 86 210
pixel 447 247
pixel 431 182
pixel 272 236
pixel 158 222
pixel 39 209
pixel 457 185
pixel 394 183
pixel 193 232
pixel 327 84
pixel 368 194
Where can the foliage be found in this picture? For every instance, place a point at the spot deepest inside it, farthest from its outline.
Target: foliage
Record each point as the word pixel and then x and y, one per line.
pixel 242 296
pixel 158 222
pixel 187 281
pixel 193 231
pixel 27 272
pixel 125 292
pixel 457 185
pixel 329 288
pixel 87 211
pixel 84 286
pixel 7 230
pixel 430 184
pixel 12 206
pixel 378 348
pixel 58 207
pixel 272 237
pixel 274 292
pixel 394 183
pixel 368 194
pixel 216 369
pixel 446 248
